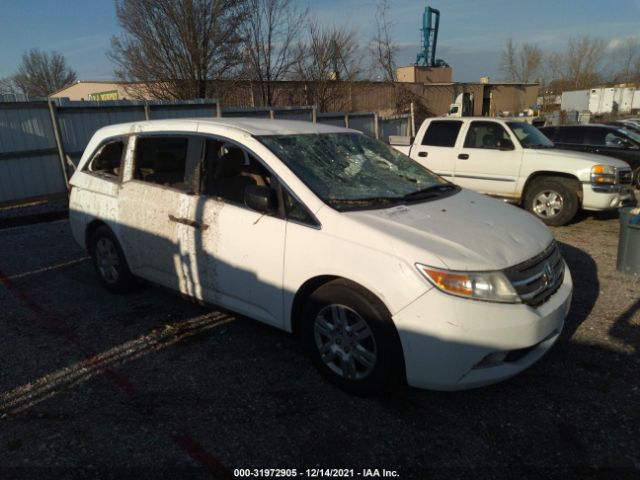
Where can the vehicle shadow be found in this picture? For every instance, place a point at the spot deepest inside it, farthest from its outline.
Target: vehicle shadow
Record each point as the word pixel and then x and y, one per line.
pixel 586 287
pixel 625 330
pixel 247 392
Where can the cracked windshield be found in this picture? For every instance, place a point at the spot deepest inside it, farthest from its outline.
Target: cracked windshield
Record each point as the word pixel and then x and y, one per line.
pixel 352 171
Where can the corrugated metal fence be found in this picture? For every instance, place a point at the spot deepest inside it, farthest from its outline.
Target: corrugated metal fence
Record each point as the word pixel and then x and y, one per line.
pixel 39 140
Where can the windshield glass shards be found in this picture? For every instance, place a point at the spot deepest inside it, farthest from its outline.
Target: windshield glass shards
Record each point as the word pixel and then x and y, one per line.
pixel 350 171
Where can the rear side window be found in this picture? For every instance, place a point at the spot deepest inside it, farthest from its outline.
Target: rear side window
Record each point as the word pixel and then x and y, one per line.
pixel 162 160
pixel 570 135
pixel 442 133
pixel 107 159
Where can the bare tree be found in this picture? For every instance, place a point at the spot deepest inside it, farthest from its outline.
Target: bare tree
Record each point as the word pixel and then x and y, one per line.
pixel 39 74
pixel 176 47
pixel 580 65
pixel 325 59
pixel 521 64
pixel 271 32
pixel 628 60
pixel 8 86
pixel 384 50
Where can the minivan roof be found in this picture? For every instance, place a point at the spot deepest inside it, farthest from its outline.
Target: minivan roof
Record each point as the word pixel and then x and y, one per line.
pixel 253 126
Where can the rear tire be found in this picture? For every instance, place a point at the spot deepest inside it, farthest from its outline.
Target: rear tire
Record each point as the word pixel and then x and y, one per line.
pixel 351 338
pixel 553 200
pixel 109 261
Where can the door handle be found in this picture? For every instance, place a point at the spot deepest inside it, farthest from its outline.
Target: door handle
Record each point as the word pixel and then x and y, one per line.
pixel 188 222
pixel 463 156
pixel 423 154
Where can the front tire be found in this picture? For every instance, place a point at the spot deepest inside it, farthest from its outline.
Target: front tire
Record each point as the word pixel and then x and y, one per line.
pixel 553 200
pixel 109 261
pixel 351 338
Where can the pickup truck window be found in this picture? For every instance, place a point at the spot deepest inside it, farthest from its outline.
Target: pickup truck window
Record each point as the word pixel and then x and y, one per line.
pixel 486 135
pixel 352 171
pixel 442 133
pixel 529 136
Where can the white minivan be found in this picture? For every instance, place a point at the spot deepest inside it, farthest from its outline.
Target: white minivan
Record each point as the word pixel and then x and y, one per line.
pixel 385 270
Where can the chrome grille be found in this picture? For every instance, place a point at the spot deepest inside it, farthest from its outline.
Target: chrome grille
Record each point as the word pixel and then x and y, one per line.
pixel 538 278
pixel 625 176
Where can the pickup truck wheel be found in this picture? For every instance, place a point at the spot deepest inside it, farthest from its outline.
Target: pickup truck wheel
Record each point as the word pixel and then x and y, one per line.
pixel 351 338
pixel 109 261
pixel 552 200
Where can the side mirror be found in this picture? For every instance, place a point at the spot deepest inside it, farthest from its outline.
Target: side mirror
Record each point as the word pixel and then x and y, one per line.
pixel 259 198
pixel 506 144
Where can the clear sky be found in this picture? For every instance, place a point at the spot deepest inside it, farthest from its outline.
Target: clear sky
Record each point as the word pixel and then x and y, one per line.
pixel 472 32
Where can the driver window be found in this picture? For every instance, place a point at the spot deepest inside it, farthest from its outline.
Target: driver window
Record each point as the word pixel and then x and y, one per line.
pixel 487 135
pixel 615 141
pixel 228 170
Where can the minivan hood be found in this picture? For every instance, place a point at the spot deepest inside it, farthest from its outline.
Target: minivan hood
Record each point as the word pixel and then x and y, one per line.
pixel 574 155
pixel 466 231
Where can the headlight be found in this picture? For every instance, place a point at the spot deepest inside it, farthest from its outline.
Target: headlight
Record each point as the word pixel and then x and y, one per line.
pixel 488 286
pixel 603 174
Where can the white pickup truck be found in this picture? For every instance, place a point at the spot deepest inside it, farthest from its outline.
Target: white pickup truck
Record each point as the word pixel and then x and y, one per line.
pixel 513 160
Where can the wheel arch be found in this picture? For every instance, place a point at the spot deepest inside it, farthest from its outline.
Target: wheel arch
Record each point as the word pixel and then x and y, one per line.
pixel 92 226
pixel 301 296
pixel 549 175
pixel 313 284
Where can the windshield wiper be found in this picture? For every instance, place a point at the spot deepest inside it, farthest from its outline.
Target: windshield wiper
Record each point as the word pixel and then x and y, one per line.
pixel 432 191
pixel 356 202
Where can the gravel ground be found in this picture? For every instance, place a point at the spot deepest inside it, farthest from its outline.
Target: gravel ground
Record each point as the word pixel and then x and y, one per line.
pixel 147 385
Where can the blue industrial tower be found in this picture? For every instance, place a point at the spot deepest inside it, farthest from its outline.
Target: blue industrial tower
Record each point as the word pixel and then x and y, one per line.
pixel 430 26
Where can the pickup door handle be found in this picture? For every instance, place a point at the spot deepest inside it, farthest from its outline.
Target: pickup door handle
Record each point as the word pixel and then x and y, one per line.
pixel 463 156
pixel 423 154
pixel 188 222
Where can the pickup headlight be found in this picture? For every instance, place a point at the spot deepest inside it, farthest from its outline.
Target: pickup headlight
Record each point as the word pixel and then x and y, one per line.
pixel 603 174
pixel 488 286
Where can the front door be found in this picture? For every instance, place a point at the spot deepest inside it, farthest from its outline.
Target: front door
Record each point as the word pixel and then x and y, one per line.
pixel 488 161
pixel 240 251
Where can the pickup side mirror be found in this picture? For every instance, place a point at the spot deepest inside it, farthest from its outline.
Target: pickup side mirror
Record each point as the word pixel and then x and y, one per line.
pixel 259 198
pixel 505 144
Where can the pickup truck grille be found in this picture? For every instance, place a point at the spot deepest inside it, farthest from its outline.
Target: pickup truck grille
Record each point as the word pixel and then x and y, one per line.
pixel 538 278
pixel 625 177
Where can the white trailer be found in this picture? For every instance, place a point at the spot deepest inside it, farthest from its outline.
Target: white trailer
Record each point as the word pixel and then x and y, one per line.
pixel 577 100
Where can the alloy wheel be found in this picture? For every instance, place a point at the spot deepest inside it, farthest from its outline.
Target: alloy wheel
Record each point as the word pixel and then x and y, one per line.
pixel 548 204
pixel 108 260
pixel 345 342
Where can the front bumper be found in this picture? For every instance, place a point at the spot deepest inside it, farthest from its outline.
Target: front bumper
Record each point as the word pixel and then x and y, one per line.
pixel 452 343
pixel 609 197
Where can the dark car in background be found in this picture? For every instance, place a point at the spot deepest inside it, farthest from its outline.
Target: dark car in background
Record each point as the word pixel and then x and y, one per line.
pixel 629 124
pixel 613 141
